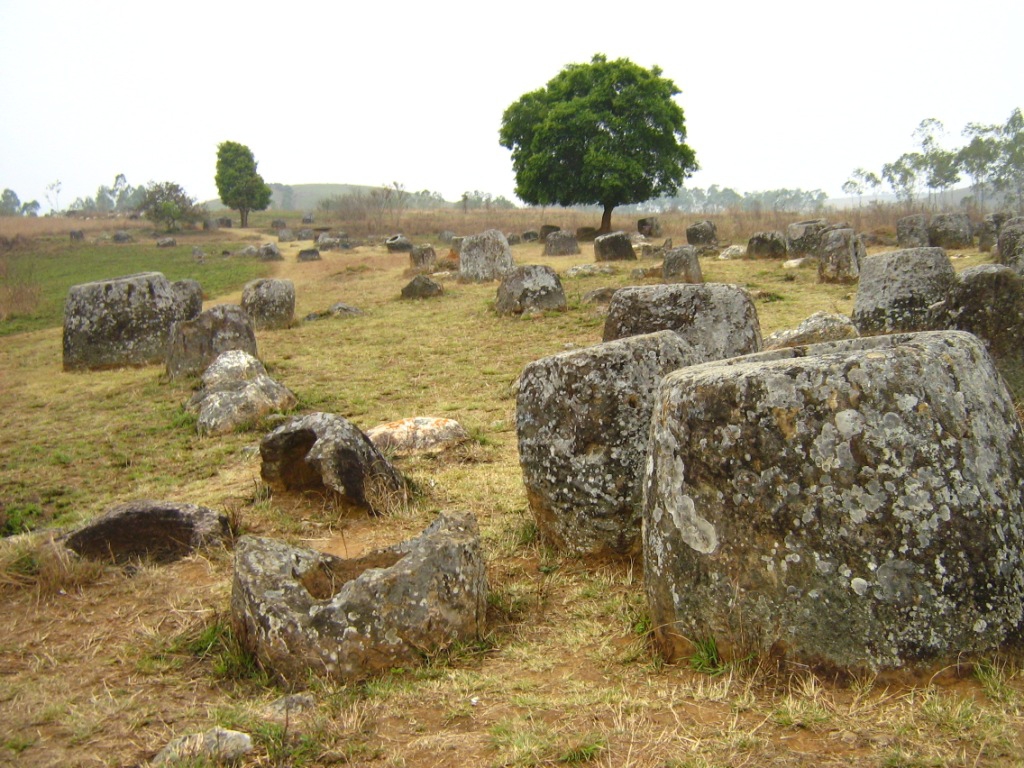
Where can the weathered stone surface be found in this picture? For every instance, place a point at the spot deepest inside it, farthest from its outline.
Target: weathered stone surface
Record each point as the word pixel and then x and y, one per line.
pixel 561 243
pixel 269 302
pixel 615 246
pixel 77 235
pixel 681 265
pixel 326 242
pixel 766 245
pixel 912 231
pixel 733 252
pixel 269 252
pixel 189 294
pixel 419 434
pixel 531 236
pixel 237 391
pixel 422 287
pixel 702 233
pixel 340 309
pixel 161 531
pixel 305 234
pixel 840 252
pixel 856 505
pixel 166 242
pixel 485 257
pixel 398 244
pixel 599 295
pixel 951 231
pixel 445 236
pixel 286 236
pixel 302 611
pixel 804 237
pixel 897 288
pixel 819 327
pixel 124 321
pixel 589 270
pixel 249 251
pixel 513 238
pixel 307 219
pixel 530 288
pixel 987 233
pixel 586 234
pixel 423 257
pixel 121 236
pixel 582 419
pixel 219 746
pixel 649 226
pixel 546 230
pixel 719 319
pixel 1011 245
pixel 988 301
pixel 309 254
pixel 196 343
pixel 326 453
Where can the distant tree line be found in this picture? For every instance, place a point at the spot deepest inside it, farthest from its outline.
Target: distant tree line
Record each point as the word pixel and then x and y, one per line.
pixel 120 197
pixel 992 160
pixel 11 205
pixel 716 199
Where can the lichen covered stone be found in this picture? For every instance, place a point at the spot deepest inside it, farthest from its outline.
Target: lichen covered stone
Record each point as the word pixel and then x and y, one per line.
pixel 121 322
pixel 718 318
pixel 582 419
pixel 326 453
pixel 303 612
pixel 897 289
pixel 855 505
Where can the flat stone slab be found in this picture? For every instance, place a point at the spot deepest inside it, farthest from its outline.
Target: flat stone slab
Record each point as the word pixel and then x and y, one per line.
pixel 161 531
pixel 419 434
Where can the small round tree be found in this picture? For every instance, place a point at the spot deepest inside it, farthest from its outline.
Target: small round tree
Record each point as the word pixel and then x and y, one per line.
pixel 168 204
pixel 606 133
pixel 238 184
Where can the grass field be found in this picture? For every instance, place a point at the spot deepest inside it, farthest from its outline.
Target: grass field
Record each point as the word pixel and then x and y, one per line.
pixel 102 665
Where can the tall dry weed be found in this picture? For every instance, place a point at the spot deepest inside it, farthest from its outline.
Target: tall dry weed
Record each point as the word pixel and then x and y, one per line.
pixel 20 292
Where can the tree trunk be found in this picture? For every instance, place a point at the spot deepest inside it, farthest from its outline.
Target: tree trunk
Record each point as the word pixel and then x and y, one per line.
pixel 606 219
pixel 244 214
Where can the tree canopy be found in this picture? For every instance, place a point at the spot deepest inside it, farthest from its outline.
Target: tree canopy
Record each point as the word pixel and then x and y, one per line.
pixel 11 205
pixel 606 133
pixel 993 159
pixel 238 184
pixel 168 204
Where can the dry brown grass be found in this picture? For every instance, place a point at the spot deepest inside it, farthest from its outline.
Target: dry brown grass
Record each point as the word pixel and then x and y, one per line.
pixel 104 668
pixel 50 226
pixel 734 226
pixel 19 291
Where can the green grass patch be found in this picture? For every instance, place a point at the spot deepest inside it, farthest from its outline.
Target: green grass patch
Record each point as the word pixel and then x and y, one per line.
pixel 52 268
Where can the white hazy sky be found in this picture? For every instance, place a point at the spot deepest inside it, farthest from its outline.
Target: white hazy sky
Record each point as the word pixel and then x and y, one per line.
pixel 780 94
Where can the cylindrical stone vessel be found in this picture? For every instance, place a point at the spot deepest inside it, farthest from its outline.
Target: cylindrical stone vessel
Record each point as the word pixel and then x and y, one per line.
pixel 853 505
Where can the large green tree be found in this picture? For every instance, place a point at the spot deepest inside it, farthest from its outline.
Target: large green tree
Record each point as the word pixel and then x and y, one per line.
pixel 606 133
pixel 238 184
